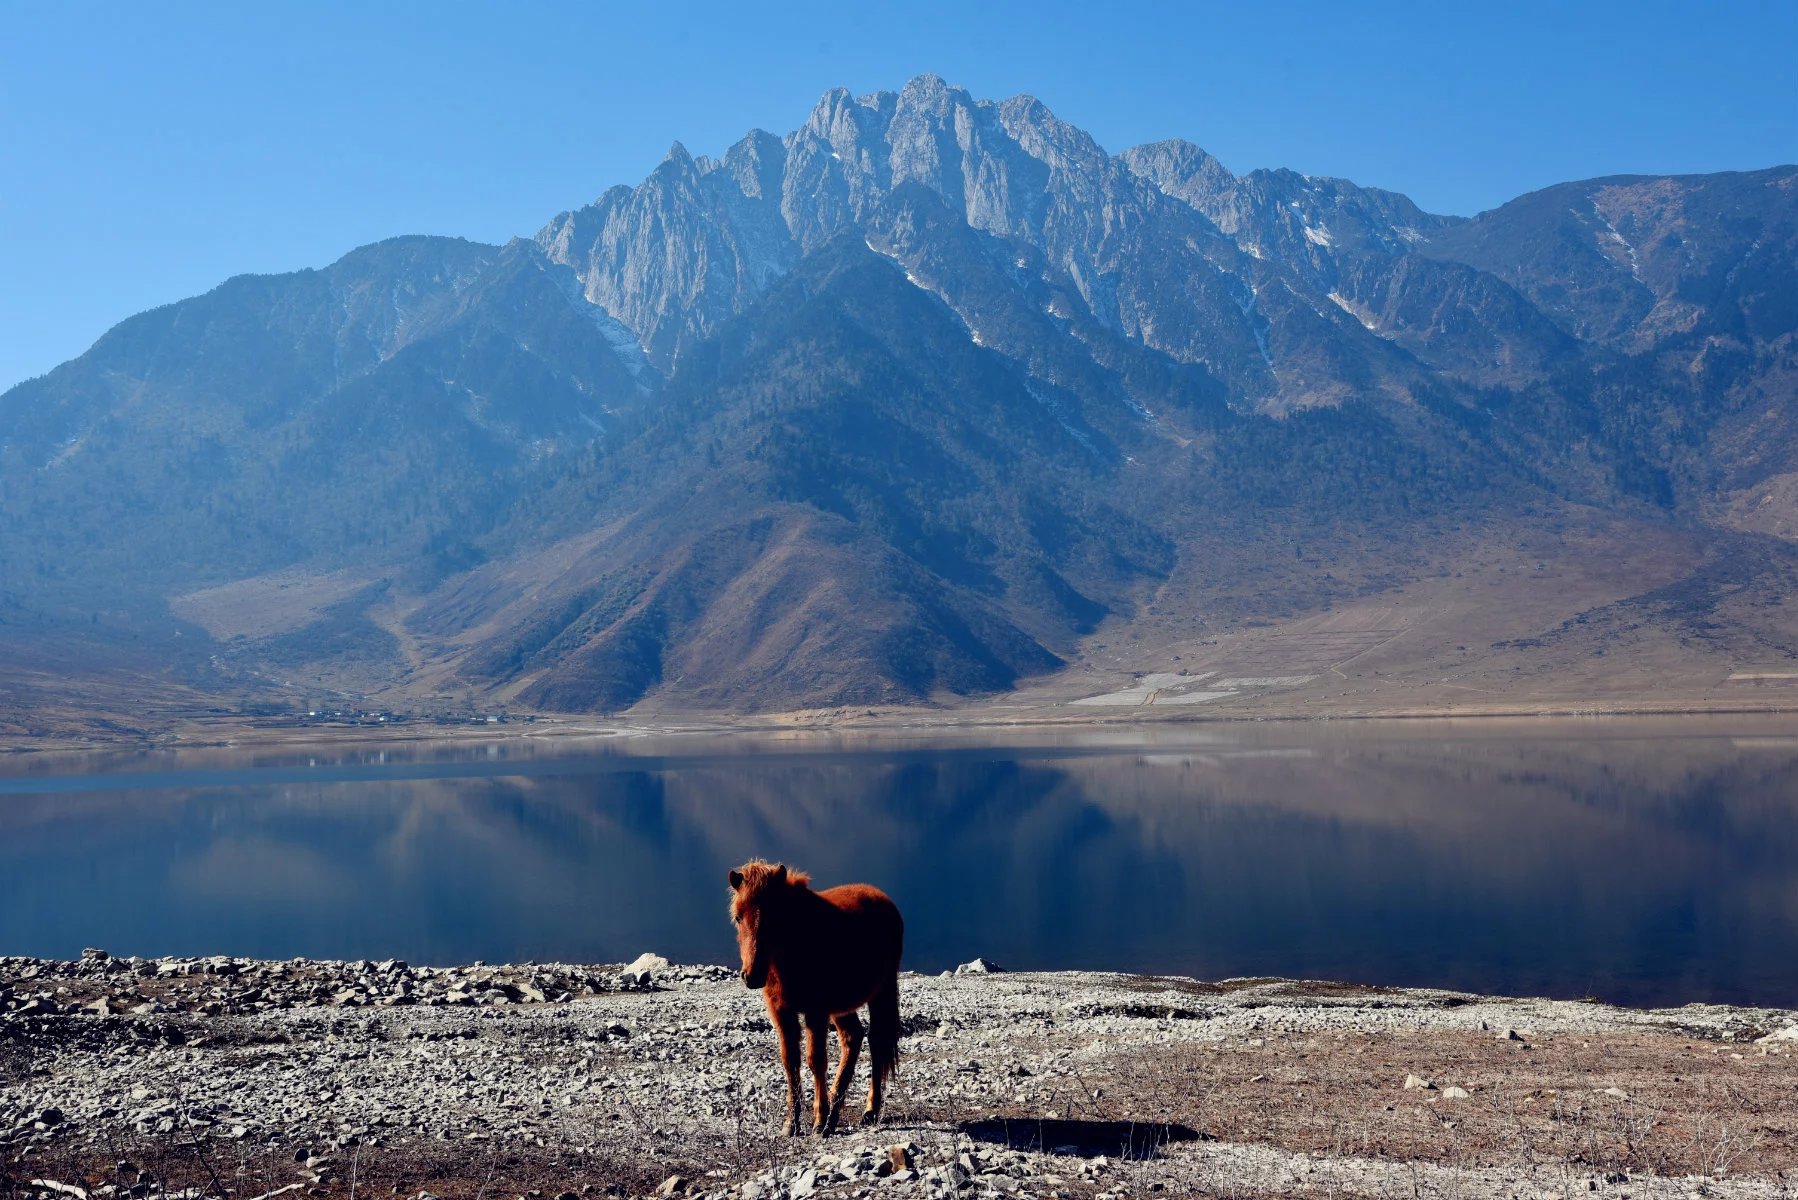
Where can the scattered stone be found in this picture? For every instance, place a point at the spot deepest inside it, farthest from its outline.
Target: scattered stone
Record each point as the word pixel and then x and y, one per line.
pixel 296 1067
pixel 294 1187
pixel 66 1189
pixel 979 966
pixel 674 1185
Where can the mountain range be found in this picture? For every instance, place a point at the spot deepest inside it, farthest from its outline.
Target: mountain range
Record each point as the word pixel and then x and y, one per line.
pixel 934 400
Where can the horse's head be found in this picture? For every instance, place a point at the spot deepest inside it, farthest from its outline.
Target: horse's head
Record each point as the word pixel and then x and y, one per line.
pixel 759 894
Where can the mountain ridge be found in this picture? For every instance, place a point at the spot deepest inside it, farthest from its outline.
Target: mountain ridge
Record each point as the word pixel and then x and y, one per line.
pixel 928 398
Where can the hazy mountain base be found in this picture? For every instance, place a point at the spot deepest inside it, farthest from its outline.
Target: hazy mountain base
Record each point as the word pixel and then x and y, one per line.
pixel 356 1078
pixel 1591 614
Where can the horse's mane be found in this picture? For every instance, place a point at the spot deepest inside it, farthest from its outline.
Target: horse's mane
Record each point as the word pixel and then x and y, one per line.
pixel 759 876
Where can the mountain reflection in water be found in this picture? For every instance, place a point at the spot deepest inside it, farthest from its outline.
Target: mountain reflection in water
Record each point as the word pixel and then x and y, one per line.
pixel 1643 863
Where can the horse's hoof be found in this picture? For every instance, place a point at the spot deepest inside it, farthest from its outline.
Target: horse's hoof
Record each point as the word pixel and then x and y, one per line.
pixel 870 1118
pixel 791 1128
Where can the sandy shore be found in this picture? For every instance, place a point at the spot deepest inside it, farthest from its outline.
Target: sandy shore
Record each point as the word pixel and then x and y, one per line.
pixel 984 723
pixel 189 1078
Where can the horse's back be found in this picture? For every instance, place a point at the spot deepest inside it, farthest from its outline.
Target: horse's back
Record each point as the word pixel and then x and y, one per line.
pixel 875 916
pixel 860 897
pixel 867 903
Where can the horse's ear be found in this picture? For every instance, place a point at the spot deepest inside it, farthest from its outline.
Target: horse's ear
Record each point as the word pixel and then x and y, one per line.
pixel 736 880
pixel 780 873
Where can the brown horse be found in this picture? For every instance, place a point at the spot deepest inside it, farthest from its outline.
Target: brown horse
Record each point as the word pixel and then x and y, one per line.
pixel 818 957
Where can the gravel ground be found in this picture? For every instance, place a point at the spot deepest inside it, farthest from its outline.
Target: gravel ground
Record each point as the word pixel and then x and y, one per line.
pixel 187 1078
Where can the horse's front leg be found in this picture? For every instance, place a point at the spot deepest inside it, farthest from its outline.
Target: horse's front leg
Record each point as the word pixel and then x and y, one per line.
pixel 817 1049
pixel 786 1025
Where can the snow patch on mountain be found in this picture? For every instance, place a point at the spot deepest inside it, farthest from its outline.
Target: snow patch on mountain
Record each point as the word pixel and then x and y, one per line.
pixel 1354 310
pixel 935 293
pixel 1250 307
pixel 614 331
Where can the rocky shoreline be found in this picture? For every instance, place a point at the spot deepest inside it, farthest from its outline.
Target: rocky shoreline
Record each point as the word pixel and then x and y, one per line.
pixel 188 1078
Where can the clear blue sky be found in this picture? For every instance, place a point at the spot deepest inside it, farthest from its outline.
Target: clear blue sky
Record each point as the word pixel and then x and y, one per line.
pixel 148 151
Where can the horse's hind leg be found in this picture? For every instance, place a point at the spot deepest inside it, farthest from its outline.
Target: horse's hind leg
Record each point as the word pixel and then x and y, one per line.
pixel 883 1046
pixel 817 1046
pixel 849 1037
pixel 786 1025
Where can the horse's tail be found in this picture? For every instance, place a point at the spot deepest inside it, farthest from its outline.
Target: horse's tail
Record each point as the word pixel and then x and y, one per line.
pixel 883 1030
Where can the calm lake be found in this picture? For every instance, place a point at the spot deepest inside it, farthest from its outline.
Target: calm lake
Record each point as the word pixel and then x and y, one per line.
pixel 1651 862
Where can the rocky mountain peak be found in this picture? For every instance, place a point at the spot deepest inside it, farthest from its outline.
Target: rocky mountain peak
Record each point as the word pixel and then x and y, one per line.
pixel 1180 169
pixel 678 164
pixel 1046 137
pixel 828 112
pixel 755 164
pixel 932 93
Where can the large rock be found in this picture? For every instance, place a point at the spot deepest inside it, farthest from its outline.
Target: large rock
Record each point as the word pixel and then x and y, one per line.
pixel 641 971
pixel 648 962
pixel 979 966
